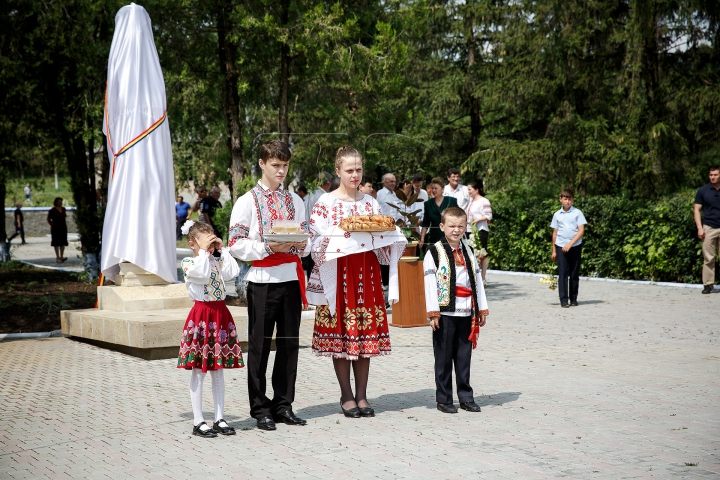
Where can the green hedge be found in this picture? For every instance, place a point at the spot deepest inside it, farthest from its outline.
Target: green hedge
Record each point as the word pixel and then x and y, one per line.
pixel 627 239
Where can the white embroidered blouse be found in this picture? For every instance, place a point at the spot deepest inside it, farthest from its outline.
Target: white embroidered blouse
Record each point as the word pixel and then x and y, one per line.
pixel 329 243
pixel 205 275
pixel 252 217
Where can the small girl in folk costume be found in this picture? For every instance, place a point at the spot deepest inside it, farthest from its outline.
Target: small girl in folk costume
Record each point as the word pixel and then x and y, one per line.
pixel 209 340
pixel 351 323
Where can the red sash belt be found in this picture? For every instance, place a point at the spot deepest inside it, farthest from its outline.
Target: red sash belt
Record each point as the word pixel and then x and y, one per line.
pixel 463 292
pixel 277 259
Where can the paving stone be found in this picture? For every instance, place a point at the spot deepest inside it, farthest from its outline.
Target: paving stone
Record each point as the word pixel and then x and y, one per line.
pixel 626 385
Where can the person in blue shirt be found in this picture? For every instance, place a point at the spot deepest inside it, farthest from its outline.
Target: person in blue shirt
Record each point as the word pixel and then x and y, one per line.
pixel 182 210
pixel 568 226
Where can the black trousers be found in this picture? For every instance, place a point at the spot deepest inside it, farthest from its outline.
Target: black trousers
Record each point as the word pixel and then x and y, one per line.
pixel 568 272
pixel 18 231
pixel 178 226
pixel 271 305
pixel 451 346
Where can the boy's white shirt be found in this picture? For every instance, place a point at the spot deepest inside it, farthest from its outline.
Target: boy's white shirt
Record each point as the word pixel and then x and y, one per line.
pixel 253 247
pixel 463 305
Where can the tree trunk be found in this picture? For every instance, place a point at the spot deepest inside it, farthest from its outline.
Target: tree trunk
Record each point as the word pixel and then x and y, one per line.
pixel 473 102
pixel 227 51
pixel 285 59
pixel 4 247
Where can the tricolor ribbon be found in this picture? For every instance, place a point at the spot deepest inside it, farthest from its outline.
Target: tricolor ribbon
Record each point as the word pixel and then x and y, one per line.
pixel 132 142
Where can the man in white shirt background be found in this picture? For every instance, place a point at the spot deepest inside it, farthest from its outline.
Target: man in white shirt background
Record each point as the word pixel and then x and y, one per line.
pixel 386 196
pixel 455 189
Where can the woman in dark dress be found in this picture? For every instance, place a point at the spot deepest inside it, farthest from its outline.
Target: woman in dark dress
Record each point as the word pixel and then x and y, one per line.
pixel 431 232
pixel 58 229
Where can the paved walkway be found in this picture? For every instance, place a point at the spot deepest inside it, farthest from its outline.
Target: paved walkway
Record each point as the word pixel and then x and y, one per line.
pixel 626 385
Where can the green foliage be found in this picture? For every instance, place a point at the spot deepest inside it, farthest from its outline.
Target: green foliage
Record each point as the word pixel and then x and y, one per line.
pixel 221 217
pixel 625 239
pixel 43 191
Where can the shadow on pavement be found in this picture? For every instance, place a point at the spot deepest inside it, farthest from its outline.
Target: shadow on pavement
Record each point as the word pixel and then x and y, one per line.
pixel 503 291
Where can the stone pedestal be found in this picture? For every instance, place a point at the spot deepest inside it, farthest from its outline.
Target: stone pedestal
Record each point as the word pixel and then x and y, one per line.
pixel 143 316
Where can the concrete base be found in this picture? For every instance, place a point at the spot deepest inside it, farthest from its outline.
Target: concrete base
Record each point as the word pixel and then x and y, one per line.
pixel 150 334
pixel 141 299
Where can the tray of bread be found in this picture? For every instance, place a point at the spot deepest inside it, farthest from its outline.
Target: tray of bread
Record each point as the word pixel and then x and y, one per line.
pixel 368 223
pixel 286 231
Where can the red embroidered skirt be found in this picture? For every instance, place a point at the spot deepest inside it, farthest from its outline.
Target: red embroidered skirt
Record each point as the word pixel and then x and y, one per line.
pixel 359 327
pixel 209 338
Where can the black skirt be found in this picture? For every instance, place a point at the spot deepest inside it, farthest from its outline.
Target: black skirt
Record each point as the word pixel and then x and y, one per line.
pixel 58 236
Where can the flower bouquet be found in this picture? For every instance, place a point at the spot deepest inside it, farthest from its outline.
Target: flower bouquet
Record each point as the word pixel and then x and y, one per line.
pixel 476 244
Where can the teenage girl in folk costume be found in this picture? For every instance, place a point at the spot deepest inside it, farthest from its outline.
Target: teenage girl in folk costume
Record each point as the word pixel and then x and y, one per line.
pixel 351 324
pixel 209 339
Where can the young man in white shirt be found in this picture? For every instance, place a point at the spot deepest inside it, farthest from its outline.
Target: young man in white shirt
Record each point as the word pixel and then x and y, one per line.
pixel 276 285
pixel 568 225
pixel 455 189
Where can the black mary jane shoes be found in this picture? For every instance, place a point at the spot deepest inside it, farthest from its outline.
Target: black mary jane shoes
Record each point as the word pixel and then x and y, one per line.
pixel 266 423
pixel 208 433
pixel 223 430
pixel 288 417
pixel 447 408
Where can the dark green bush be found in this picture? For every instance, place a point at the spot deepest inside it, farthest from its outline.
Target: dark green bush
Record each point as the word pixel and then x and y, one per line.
pixel 626 239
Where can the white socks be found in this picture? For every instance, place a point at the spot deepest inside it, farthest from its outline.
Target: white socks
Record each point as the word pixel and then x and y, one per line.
pixel 218 390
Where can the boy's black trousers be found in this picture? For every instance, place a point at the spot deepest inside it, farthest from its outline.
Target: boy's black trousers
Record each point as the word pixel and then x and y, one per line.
pixel 451 346
pixel 568 272
pixel 271 304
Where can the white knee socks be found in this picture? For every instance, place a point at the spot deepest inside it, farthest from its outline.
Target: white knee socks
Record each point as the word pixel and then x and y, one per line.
pixel 218 390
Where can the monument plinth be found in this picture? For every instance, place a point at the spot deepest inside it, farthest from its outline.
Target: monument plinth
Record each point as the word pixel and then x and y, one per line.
pixel 143 316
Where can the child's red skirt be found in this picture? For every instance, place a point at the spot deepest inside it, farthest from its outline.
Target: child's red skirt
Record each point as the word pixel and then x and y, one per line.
pixel 359 328
pixel 209 339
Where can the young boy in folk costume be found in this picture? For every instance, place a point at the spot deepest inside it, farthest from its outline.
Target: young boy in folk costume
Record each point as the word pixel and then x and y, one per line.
pixel 456 309
pixel 276 285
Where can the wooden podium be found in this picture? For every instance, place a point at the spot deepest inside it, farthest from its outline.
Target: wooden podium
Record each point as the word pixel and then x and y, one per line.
pixel 410 310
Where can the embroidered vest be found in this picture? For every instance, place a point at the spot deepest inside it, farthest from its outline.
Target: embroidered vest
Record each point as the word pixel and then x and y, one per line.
pixel 445 274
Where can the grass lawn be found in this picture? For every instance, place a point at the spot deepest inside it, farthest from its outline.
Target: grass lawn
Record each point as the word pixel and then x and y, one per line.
pixel 43 191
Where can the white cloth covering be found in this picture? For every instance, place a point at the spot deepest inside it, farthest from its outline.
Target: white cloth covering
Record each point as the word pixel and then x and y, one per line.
pixel 479 208
pixel 463 305
pixel 139 224
pixel 198 271
pixel 460 194
pixel 329 243
pixel 252 218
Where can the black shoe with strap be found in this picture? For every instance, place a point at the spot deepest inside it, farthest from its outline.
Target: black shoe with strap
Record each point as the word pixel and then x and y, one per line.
pixel 226 430
pixel 708 289
pixel 207 433
pixel 288 417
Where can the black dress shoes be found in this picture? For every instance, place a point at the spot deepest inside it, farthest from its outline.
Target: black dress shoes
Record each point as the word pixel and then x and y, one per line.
pixel 351 412
pixel 289 418
pixel 208 433
pixel 227 430
pixel 366 411
pixel 447 408
pixel 573 303
pixel 470 406
pixel 266 423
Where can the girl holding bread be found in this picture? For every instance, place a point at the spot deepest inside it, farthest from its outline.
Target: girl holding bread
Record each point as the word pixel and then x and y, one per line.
pixel 350 240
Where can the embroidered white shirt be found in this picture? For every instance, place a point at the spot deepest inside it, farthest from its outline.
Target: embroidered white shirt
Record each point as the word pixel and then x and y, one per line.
pixel 251 218
pixel 205 276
